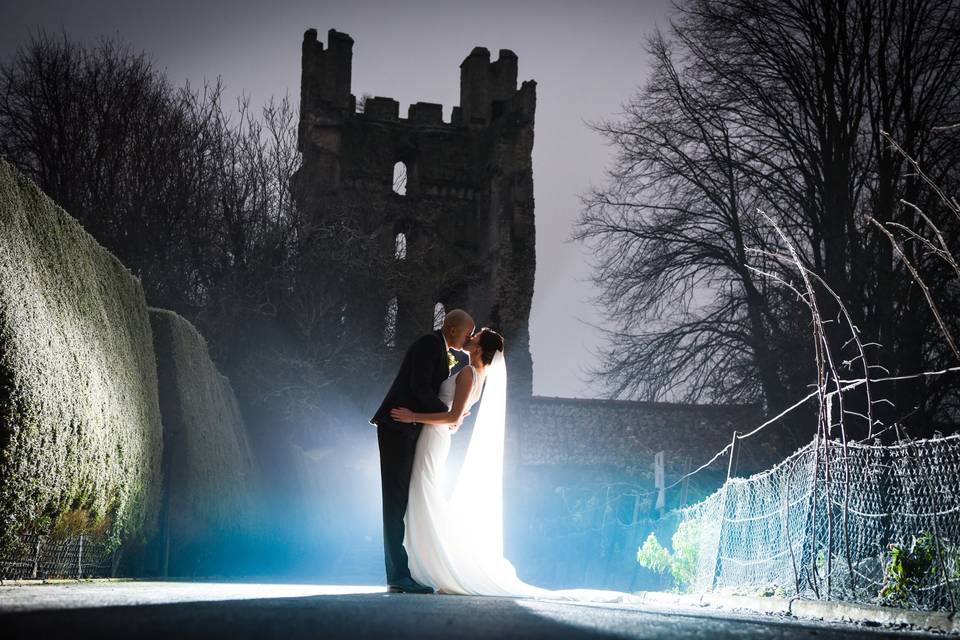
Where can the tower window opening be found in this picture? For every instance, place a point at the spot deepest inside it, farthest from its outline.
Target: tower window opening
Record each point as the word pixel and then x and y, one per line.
pixel 390 324
pixel 439 311
pixel 400 179
pixel 400 249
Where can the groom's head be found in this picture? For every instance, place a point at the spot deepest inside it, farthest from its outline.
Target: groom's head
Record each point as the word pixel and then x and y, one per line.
pixel 457 327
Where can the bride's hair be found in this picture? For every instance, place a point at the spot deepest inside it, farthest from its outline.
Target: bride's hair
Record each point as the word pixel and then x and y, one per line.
pixel 490 342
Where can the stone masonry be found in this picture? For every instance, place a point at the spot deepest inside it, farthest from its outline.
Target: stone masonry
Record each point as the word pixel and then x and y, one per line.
pixel 624 435
pixel 466 217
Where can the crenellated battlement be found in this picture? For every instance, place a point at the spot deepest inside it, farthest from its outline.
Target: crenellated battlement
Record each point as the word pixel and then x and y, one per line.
pixel 326 73
pixel 379 108
pixel 488 89
pixel 425 113
pixel 458 194
pixel 485 86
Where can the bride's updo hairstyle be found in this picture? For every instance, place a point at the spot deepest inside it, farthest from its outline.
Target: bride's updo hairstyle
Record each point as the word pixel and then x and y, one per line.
pixel 490 342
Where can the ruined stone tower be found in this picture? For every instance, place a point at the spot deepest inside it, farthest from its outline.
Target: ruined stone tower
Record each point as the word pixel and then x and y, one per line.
pixel 462 225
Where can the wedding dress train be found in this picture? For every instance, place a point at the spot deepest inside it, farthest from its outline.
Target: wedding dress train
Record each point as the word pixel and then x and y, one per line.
pixel 456 546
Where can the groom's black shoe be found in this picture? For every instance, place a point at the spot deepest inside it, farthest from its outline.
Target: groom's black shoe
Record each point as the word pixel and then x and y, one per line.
pixel 408 585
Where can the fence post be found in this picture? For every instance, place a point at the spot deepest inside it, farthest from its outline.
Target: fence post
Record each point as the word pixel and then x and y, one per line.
pixel 36 558
pixel 80 558
pixel 734 455
pixel 808 548
pixel 731 470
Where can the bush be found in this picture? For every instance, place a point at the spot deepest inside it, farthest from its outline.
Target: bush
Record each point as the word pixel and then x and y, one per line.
pixel 918 565
pixel 682 563
pixel 79 418
pixel 209 471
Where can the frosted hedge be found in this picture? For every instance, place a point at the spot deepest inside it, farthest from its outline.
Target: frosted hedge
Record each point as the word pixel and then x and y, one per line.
pixel 80 428
pixel 209 498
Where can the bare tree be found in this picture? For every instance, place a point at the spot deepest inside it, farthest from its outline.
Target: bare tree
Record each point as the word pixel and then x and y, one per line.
pixel 193 195
pixel 779 107
pixel 673 227
pixel 107 137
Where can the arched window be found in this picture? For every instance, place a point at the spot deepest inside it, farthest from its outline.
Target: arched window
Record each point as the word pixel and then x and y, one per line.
pixel 438 313
pixel 400 249
pixel 390 324
pixel 400 179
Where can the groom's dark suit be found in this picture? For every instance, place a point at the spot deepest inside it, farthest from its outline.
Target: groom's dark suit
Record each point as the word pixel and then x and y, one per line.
pixel 425 366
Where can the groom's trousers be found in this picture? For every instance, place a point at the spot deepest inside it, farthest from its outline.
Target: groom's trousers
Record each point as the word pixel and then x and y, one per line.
pixel 396 462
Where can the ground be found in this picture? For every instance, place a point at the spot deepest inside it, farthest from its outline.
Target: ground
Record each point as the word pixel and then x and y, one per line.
pixel 237 610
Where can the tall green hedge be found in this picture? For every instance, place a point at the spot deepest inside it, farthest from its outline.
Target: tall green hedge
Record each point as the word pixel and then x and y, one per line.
pixel 211 480
pixel 79 416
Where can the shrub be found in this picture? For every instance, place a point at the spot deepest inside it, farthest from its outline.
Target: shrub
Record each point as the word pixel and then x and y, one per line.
pixel 209 471
pixel 914 566
pixel 79 418
pixel 682 563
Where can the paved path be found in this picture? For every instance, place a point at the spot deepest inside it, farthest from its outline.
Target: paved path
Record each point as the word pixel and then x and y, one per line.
pixel 145 610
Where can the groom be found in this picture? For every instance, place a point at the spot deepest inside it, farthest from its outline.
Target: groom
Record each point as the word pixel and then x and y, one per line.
pixel 425 366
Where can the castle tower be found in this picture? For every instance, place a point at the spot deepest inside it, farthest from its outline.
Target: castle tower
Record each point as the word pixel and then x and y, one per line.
pixel 461 228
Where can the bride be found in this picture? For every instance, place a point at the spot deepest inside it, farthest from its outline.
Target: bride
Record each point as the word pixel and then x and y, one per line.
pixel 456 546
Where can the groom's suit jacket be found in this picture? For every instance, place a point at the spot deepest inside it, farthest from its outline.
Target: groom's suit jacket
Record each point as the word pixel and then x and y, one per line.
pixel 425 366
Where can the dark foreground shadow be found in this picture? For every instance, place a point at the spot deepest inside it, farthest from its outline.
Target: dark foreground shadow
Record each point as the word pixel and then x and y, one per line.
pixel 398 616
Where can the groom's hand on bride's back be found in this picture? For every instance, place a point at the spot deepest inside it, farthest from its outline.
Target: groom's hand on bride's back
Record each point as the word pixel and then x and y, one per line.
pixel 401 414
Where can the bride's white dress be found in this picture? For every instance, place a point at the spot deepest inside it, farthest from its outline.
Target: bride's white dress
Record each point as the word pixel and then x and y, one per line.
pixel 456 546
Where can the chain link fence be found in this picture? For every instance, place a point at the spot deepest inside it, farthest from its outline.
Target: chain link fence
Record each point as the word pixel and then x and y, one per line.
pixel 866 523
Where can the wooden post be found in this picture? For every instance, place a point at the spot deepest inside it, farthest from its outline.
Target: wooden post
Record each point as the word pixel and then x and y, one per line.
pixel 80 558
pixel 685 485
pixel 36 558
pixel 808 554
pixel 636 510
pixel 165 552
pixel 659 481
pixel 734 455
pixel 731 471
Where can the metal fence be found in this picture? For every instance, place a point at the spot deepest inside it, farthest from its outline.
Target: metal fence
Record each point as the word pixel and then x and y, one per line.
pixel 857 522
pixel 42 557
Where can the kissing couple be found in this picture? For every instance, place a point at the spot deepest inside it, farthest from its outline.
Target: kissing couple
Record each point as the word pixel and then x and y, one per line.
pixel 431 543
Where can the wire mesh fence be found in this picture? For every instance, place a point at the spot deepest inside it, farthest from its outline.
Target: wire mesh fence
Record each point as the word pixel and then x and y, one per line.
pixel 42 557
pixel 856 522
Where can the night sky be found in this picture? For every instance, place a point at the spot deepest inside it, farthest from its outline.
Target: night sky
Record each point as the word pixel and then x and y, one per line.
pixel 587 59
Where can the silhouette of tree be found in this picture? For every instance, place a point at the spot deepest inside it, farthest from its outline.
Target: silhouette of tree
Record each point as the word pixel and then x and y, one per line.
pixel 776 107
pixel 194 197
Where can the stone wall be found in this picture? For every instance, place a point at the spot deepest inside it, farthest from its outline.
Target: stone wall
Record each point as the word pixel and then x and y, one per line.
pixel 624 435
pixel 467 214
pixel 579 490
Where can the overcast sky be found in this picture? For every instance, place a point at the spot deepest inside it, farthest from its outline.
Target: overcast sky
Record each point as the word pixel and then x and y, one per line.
pixel 587 59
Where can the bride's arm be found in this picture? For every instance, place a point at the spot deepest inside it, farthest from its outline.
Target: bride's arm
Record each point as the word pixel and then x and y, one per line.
pixel 457 410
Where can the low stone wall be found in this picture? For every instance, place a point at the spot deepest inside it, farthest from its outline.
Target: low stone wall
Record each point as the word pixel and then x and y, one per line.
pixel 580 496
pixel 210 479
pixel 625 435
pixel 80 433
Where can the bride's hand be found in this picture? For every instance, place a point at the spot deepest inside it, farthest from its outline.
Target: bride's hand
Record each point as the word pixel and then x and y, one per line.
pixel 401 414
pixel 456 426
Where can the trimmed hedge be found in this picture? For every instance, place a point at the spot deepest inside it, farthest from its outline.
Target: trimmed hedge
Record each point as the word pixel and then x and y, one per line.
pixel 210 493
pixel 80 425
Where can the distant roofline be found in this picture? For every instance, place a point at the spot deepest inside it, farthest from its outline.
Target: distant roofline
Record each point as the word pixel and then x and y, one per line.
pixel 641 403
